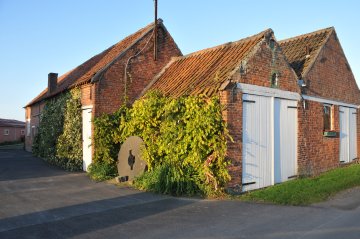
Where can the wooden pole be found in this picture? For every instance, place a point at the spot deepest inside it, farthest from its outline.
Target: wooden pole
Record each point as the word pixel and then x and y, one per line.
pixel 155 31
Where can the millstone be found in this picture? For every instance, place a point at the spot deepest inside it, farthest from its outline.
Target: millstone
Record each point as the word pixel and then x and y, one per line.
pixel 130 163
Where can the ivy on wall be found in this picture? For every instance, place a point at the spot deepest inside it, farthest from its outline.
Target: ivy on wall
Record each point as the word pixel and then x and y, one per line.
pixel 59 137
pixel 185 143
pixel 106 148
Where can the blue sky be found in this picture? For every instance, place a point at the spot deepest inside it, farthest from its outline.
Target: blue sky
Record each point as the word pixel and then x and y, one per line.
pixel 42 36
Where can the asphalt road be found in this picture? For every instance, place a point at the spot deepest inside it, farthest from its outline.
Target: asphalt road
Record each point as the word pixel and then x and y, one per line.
pixel 39 201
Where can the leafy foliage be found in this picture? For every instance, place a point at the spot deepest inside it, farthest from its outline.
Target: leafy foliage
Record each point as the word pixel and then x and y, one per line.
pixel 69 144
pixel 185 141
pixel 50 128
pixel 100 171
pixel 106 149
pixel 105 128
pixel 59 138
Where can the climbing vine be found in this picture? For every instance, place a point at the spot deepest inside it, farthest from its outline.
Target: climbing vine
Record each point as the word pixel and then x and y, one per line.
pixel 106 148
pixel 59 137
pixel 185 143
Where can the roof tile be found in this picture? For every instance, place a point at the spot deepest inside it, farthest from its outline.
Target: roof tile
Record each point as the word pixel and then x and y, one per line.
pixel 84 72
pixel 301 51
pixel 11 123
pixel 203 72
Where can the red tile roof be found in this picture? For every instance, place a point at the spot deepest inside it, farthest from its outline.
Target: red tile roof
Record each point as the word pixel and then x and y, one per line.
pixel 11 123
pixel 85 72
pixel 204 72
pixel 301 51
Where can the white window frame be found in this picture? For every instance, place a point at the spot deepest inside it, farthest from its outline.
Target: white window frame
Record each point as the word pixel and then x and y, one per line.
pixel 22 132
pixel 6 131
pixel 330 114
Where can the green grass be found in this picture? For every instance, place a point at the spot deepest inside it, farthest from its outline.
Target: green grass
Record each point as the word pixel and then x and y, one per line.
pixel 307 190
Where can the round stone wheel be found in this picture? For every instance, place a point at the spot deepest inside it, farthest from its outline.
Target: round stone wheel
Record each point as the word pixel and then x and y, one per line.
pixel 130 164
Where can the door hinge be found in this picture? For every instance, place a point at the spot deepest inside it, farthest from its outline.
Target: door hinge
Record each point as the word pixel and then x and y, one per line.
pixel 245 184
pixel 294 176
pixel 292 107
pixel 249 101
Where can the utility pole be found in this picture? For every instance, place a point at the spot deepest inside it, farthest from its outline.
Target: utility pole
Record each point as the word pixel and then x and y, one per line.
pixel 155 31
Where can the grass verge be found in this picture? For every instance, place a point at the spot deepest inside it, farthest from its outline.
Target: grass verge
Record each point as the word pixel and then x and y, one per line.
pixel 306 191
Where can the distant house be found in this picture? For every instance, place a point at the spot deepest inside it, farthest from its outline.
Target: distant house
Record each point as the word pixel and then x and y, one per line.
pixel 11 130
pixel 121 71
pixel 291 106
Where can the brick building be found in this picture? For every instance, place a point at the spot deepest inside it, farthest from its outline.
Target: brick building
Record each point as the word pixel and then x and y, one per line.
pixel 11 130
pixel 103 82
pixel 291 106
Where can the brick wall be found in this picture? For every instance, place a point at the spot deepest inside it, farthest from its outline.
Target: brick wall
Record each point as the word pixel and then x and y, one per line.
pixel 264 62
pixel 87 94
pixel 111 88
pixel 316 153
pixel 331 76
pixel 232 114
pixel 14 134
pixel 32 113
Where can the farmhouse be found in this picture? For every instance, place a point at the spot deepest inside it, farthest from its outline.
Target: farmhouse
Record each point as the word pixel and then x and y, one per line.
pixel 107 80
pixel 291 106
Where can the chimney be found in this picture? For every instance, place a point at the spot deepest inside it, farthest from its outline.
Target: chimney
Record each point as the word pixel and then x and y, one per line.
pixel 52 82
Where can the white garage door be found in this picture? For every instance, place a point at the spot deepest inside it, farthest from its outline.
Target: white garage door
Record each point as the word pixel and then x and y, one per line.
pixel 257 152
pixel 285 140
pixel 269 141
pixel 348 147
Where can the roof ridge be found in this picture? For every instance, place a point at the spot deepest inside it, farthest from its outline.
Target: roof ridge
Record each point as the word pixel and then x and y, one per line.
pixel 63 79
pixel 329 29
pixel 231 43
pixel 332 30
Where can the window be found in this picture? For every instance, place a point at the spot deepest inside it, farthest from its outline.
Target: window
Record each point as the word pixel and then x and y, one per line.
pixel 327 117
pixel 22 132
pixel 6 132
pixel 274 80
pixel 28 129
pixel 272 44
pixel 33 131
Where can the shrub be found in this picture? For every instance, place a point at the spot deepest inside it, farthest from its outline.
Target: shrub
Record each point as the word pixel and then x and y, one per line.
pixel 105 128
pixel 100 171
pixel 185 143
pixel 106 149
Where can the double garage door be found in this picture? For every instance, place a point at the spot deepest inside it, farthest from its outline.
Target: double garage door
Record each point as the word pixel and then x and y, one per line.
pixel 269 141
pixel 348 148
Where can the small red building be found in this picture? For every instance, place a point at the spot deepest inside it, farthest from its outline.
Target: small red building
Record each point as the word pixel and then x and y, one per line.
pixel 11 130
